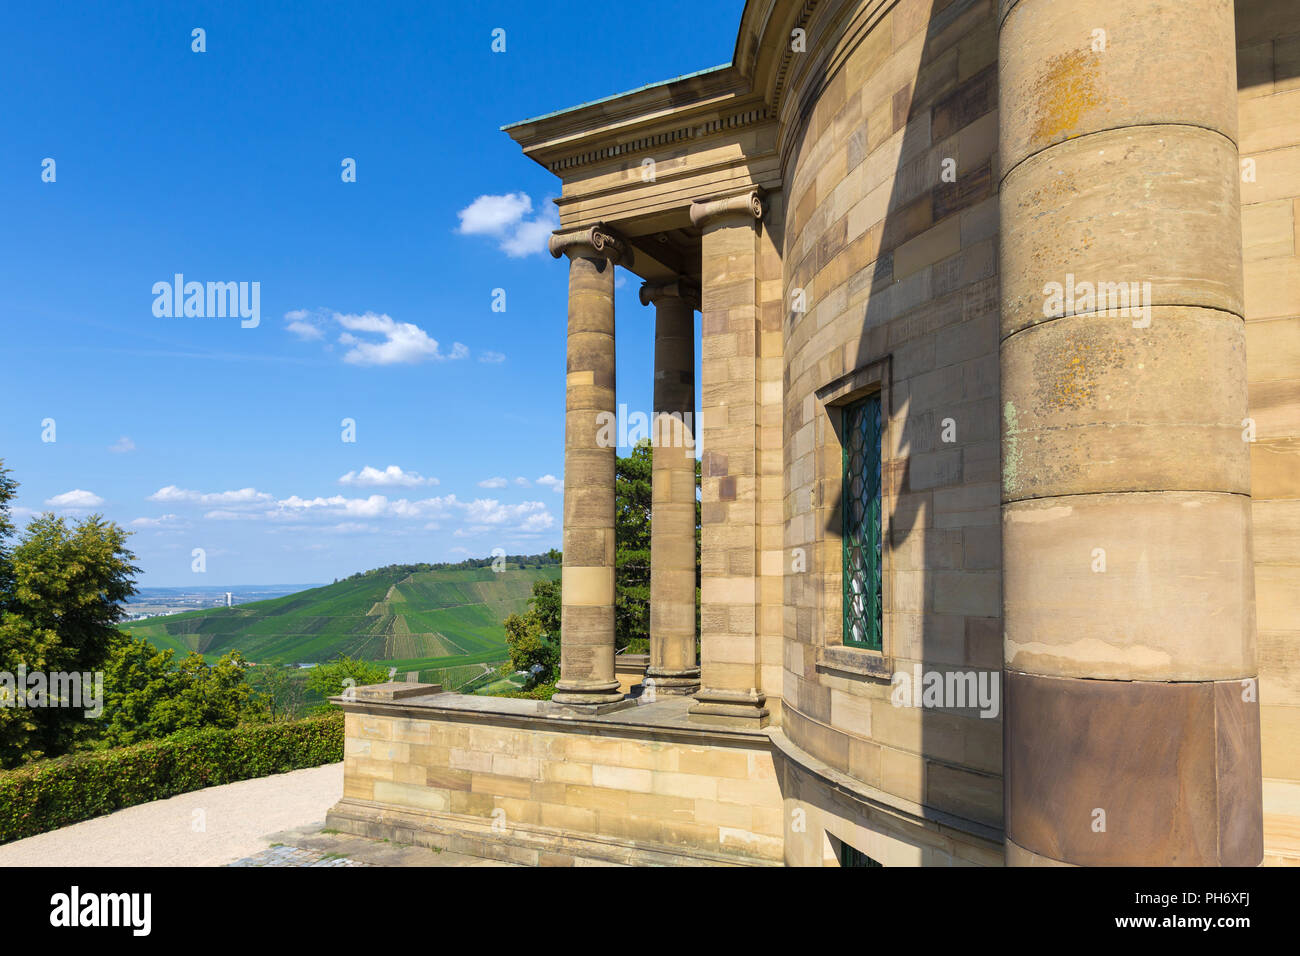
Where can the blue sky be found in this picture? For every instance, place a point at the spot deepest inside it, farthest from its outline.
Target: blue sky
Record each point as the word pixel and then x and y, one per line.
pixel 375 296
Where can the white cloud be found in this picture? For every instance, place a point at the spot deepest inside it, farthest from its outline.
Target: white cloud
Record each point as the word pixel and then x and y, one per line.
pixel 122 446
pixel 371 507
pixel 493 483
pixel 352 515
pixel 491 358
pixel 530 237
pixel 538 522
pixel 304 324
pixel 403 342
pixel 159 522
pixel 506 219
pixel 550 481
pixel 391 477
pixel 243 497
pixel 77 498
pixel 493 215
pixel 489 516
pixel 489 511
pixel 372 338
pixel 523 482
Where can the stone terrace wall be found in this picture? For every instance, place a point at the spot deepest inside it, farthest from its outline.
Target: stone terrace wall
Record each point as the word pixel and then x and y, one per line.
pixel 556 794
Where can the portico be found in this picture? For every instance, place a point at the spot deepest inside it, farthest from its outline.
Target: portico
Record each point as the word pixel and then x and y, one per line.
pixel 708 263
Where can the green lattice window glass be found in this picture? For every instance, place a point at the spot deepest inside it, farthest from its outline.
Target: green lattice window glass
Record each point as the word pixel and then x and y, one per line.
pixel 861 509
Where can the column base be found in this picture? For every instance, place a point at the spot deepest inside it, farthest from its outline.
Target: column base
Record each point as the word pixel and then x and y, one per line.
pixel 734 708
pixel 661 682
pixel 592 694
pixel 562 709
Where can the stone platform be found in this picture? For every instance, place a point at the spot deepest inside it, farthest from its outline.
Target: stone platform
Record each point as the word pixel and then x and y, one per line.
pixel 532 782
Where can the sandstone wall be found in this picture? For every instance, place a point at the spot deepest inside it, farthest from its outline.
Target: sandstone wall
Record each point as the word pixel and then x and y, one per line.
pixel 1268 72
pixel 899 270
pixel 542 787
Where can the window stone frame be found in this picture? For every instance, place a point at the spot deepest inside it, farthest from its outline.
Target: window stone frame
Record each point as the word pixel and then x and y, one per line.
pixel 832 654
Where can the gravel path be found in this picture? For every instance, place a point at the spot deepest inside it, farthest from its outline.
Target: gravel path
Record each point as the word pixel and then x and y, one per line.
pixel 235 822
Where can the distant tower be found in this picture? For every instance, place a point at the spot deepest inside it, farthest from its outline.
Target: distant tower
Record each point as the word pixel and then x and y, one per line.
pixel 228 601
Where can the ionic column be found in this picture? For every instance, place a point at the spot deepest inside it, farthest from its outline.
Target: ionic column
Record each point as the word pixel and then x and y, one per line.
pixel 587 582
pixel 1131 721
pixel 730 673
pixel 673 669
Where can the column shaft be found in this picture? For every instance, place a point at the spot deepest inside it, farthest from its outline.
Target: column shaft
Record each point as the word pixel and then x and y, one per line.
pixel 673 668
pixel 730 656
pixel 587 589
pixel 1131 727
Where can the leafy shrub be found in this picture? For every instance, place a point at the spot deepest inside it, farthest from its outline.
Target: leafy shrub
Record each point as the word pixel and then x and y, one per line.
pixel 334 677
pixel 540 692
pixel 149 696
pixel 49 794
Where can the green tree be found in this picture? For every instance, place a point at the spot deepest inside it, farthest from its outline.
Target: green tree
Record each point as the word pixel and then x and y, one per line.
pixel 529 648
pixel 632 500
pixel 534 636
pixel 545 606
pixel 632 522
pixel 61 593
pixel 149 696
pixel 331 679
pixel 137 675
pixel 281 688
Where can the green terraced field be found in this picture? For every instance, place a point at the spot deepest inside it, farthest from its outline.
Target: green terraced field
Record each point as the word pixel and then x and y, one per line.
pixel 413 621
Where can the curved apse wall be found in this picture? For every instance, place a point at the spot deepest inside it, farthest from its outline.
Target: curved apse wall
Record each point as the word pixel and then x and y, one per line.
pixel 897 264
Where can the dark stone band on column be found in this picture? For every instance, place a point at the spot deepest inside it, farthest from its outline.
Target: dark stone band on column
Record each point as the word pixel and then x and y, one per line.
pixel 1174 768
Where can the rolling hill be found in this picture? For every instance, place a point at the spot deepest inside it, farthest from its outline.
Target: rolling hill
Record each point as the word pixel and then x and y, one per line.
pixel 439 616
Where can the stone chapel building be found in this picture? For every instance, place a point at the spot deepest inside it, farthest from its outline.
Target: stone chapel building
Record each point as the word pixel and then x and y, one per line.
pixel 1000 357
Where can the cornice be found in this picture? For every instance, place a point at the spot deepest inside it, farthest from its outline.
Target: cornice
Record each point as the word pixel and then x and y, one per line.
pixel 658 139
pixel 745 93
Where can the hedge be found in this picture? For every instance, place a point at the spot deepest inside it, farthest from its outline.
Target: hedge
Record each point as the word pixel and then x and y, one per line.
pixel 540 692
pixel 49 794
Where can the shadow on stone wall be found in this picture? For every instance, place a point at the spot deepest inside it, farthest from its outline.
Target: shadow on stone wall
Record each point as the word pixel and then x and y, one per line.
pixel 945 312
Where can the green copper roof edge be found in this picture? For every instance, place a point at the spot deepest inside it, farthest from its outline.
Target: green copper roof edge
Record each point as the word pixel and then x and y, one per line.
pixel 615 96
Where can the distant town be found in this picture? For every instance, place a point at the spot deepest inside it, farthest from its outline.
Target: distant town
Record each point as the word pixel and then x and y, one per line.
pixel 154 602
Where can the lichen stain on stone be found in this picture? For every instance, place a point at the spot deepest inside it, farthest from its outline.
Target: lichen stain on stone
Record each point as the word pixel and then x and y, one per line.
pixel 1055 193
pixel 1068 89
pixel 1010 448
pixel 1069 375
